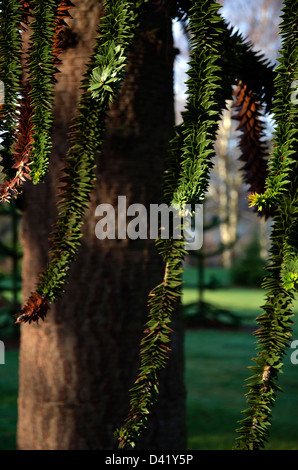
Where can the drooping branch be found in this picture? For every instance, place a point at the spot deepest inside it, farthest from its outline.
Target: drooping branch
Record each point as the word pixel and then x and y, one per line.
pixel 203 108
pixel 42 68
pixel 254 152
pixel 23 138
pixel 274 334
pixel 62 13
pixel 186 181
pixel 154 347
pixel 251 68
pixel 21 152
pixel 253 77
pixel 100 83
pixel 283 159
pixel 10 75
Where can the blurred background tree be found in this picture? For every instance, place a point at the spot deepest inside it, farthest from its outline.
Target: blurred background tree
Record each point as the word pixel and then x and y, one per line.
pixel 227 194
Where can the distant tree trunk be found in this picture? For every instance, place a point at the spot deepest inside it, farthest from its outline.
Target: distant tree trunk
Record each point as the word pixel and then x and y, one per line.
pixel 77 366
pixel 229 184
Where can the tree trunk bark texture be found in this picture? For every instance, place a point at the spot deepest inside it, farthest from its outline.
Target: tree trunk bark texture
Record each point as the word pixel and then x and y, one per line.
pixel 77 366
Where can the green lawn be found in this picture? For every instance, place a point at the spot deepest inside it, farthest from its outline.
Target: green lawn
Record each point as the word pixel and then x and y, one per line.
pixel 215 373
pixel 8 400
pixel 216 369
pixel 243 301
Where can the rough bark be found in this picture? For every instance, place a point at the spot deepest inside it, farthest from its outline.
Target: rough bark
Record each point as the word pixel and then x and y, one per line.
pixel 77 366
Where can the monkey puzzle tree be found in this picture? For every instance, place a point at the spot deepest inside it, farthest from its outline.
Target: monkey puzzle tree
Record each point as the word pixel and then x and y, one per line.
pixel 220 58
pixel 91 335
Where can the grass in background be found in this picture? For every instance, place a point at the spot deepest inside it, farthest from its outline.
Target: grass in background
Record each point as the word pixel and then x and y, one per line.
pixel 217 367
pixel 8 400
pixel 215 373
pixel 244 301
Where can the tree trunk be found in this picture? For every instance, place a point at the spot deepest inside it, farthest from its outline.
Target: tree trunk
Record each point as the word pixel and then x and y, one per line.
pixel 229 184
pixel 77 366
